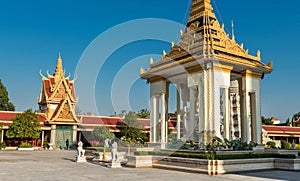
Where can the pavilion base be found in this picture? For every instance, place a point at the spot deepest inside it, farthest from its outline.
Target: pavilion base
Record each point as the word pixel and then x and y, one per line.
pixel 157 146
pixel 115 164
pixel 80 159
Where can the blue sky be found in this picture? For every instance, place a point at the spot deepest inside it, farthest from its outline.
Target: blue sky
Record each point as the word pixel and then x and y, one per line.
pixel 33 32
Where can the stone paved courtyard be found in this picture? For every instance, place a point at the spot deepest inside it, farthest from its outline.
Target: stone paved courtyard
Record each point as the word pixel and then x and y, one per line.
pixel 61 165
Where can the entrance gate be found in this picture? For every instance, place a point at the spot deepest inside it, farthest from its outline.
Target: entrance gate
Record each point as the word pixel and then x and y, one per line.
pixel 62 134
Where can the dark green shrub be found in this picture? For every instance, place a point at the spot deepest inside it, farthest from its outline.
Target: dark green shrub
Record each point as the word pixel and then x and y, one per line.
pixel 46 144
pixel 2 145
pixel 222 157
pixel 272 144
pixel 99 149
pixel 286 145
pixel 25 145
pixel 141 153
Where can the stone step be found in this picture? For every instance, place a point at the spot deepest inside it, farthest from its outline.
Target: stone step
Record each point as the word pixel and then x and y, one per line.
pixel 179 168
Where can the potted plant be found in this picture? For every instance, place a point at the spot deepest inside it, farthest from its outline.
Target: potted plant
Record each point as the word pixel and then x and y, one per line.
pixel 2 146
pixel 25 146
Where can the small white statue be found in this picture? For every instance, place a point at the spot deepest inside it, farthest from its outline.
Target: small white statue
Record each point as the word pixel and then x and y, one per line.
pixel 80 150
pixel 114 151
pixel 106 143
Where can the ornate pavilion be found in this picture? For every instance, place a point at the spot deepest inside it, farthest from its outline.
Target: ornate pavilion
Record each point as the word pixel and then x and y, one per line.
pixel 217 80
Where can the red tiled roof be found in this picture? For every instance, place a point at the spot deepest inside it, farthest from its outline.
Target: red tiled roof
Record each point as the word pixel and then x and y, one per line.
pixel 6 116
pixel 88 122
pixel 281 129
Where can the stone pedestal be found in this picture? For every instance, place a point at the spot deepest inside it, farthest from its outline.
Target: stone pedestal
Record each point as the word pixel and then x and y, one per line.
pixel 50 146
pixel 115 164
pixel 80 159
pixel 259 148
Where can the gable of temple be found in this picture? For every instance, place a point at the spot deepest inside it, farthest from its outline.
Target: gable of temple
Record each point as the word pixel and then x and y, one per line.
pixel 57 97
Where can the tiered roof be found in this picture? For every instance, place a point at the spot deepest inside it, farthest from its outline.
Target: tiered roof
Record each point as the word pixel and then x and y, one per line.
pixel 204 39
pixel 57 98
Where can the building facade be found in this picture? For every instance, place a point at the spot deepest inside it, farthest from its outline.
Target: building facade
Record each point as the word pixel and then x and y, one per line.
pixel 217 80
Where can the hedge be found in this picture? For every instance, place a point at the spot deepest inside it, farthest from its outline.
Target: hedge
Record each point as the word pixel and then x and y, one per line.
pixel 216 157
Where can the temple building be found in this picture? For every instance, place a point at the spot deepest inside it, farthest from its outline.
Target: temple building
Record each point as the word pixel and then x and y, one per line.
pixel 217 80
pixel 57 101
pixel 56 114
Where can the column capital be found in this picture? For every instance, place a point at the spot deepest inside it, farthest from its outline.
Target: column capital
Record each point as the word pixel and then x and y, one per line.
pixel 223 68
pixel 249 73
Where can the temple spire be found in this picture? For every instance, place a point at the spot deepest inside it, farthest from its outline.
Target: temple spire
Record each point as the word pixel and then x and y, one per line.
pixel 59 68
pixel 232 26
pixel 201 8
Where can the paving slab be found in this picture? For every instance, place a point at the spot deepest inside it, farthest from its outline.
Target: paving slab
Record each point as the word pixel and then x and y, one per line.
pixel 61 165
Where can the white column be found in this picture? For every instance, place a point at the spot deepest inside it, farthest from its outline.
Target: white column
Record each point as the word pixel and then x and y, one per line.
pixel 156 119
pixel 53 134
pixel 74 134
pixel 191 127
pixel 245 115
pixel 226 114
pixel 166 100
pixel 163 119
pixel 43 137
pixel 2 135
pixel 185 117
pixel 178 112
pixel 201 114
pixel 152 113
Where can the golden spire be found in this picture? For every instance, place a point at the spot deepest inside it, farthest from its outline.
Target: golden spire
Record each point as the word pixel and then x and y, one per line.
pixel 59 68
pixel 201 6
pixel 232 26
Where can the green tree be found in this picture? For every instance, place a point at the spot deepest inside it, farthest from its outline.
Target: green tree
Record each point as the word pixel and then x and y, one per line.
pixel 288 122
pixel 295 118
pixel 5 105
pixel 143 113
pixel 132 131
pixel 101 133
pixel 25 126
pixel 266 121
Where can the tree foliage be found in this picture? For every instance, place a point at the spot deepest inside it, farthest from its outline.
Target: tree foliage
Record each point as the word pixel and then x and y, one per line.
pixel 101 133
pixel 266 121
pixel 25 126
pixel 296 116
pixel 5 105
pixel 132 130
pixel 143 113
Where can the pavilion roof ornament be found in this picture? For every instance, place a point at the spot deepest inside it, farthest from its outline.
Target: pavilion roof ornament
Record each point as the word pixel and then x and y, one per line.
pixel 59 68
pixel 204 37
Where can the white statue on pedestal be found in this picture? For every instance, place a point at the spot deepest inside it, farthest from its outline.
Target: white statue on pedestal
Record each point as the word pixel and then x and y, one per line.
pixel 80 152
pixel 114 156
pixel 114 151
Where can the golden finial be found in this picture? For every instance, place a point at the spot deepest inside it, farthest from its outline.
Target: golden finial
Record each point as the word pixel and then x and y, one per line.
pixel 270 64
pixel 43 77
pixel 59 68
pixel 181 32
pixel 142 70
pixel 223 26
pixel 151 61
pixel 164 53
pixel 232 24
pixel 247 51
pixel 258 53
pixel 242 45
pixel 173 44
